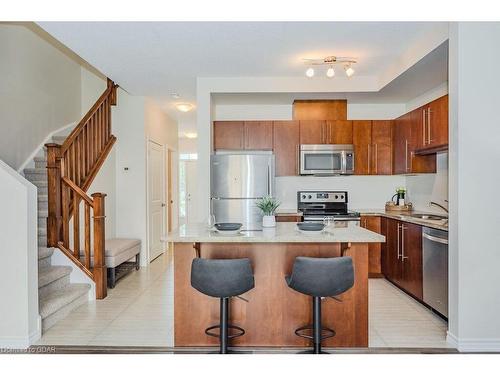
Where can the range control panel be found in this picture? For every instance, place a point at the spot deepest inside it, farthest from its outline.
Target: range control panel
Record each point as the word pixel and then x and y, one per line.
pixel 322 196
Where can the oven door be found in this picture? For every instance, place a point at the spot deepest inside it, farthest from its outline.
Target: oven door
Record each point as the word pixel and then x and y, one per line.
pixel 321 162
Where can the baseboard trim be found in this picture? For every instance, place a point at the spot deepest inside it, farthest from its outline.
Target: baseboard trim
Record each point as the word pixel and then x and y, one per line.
pixel 473 345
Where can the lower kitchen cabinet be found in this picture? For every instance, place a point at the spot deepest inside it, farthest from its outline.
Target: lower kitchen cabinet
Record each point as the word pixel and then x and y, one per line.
pixel 401 256
pixel 373 223
pixel 288 218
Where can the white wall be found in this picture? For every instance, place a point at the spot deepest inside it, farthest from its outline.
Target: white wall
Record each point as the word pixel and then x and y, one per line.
pixel 20 322
pixel 474 180
pixel 130 151
pixel 39 91
pixel 423 188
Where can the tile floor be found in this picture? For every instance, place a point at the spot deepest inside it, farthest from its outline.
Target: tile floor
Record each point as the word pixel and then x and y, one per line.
pixel 138 312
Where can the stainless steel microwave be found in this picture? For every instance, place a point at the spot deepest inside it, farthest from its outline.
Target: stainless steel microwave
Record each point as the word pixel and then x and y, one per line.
pixel 326 160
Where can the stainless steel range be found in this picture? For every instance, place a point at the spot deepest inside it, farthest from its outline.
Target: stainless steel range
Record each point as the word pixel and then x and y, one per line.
pixel 330 205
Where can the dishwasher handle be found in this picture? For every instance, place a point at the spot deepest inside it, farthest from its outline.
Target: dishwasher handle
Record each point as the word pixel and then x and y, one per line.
pixel 435 239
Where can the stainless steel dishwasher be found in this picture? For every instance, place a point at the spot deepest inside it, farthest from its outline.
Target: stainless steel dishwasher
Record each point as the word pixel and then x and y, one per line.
pixel 435 268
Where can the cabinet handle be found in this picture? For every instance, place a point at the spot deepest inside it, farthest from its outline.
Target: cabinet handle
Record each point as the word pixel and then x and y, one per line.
pixel 376 158
pixel 423 127
pixel 369 159
pixel 399 242
pixel 297 160
pixel 406 155
pixel 403 257
pixel 429 140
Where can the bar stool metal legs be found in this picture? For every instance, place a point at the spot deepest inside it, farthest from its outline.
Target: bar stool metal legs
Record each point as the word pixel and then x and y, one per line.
pixel 320 277
pixel 222 278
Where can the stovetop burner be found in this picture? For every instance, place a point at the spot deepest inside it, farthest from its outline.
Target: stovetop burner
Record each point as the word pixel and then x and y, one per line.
pixel 316 205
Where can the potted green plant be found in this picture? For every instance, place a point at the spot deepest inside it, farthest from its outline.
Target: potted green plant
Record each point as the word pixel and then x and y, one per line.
pixel 268 206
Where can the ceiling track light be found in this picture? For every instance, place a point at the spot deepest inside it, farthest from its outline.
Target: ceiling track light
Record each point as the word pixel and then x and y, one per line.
pixel 330 61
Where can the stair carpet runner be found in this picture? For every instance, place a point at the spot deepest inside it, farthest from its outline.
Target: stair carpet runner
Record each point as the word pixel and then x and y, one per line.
pixel 57 297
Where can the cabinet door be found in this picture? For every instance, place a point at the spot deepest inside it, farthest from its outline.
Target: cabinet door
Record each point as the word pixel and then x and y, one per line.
pixel 438 122
pixel 381 159
pixel 420 163
pixel 401 152
pixel 312 132
pixel 411 258
pixel 286 147
pixel 339 132
pixel 373 223
pixel 362 139
pixel 228 135
pixel 258 135
pixel 392 262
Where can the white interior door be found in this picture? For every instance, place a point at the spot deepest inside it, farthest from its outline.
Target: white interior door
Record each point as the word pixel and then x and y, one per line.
pixel 190 191
pixel 156 178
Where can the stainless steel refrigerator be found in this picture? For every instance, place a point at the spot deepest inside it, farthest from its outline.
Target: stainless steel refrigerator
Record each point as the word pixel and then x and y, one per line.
pixel 237 182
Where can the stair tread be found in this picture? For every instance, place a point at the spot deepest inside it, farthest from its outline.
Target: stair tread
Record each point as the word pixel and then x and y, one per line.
pixel 51 274
pixel 40 158
pixel 44 252
pixel 43 213
pixel 60 298
pixel 35 170
pixel 43 197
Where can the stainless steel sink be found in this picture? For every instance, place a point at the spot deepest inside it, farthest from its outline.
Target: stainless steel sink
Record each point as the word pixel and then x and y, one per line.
pixel 428 217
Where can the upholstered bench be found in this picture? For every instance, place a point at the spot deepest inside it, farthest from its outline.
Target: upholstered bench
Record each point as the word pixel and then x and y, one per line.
pixel 117 252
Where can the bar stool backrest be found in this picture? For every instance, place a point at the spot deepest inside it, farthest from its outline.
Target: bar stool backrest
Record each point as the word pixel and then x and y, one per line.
pixel 222 278
pixel 322 277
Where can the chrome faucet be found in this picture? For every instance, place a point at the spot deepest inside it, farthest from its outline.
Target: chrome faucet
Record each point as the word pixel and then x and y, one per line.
pixel 431 203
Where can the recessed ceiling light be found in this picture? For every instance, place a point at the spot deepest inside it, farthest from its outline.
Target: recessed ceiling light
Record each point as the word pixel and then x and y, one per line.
pixel 191 135
pixel 184 107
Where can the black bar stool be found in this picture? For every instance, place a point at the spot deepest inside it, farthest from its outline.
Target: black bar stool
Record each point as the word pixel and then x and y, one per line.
pixel 222 278
pixel 320 277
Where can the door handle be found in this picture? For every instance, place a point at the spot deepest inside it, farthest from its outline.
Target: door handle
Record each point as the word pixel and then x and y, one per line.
pixel 163 204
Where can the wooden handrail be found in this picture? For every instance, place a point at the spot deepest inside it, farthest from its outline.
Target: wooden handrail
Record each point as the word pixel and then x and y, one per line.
pixel 71 168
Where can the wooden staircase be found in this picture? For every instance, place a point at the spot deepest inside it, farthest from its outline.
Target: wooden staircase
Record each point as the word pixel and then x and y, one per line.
pixel 71 168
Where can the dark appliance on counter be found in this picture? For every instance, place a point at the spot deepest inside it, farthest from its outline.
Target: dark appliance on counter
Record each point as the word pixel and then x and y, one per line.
pixel 329 205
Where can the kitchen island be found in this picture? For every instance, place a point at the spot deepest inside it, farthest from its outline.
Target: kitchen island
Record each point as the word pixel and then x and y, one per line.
pixel 273 310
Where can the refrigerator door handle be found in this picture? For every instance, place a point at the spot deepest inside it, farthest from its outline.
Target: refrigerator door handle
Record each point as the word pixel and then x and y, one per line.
pixel 269 187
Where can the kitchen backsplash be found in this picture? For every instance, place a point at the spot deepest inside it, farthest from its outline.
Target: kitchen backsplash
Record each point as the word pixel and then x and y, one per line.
pixel 364 191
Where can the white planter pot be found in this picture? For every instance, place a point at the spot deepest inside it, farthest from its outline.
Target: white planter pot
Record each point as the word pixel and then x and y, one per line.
pixel 269 221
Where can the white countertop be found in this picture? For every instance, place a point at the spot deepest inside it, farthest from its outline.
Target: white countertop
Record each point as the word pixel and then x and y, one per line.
pixel 405 216
pixel 284 232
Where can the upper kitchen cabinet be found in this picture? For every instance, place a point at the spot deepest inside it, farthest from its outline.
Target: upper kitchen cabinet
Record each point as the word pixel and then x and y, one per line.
pixel 362 140
pixel 229 135
pixel 339 132
pixel 406 132
pixel 286 147
pixel 313 132
pixel 258 135
pixel 372 147
pixel 243 135
pixel 433 126
pixel 381 159
pixel 320 110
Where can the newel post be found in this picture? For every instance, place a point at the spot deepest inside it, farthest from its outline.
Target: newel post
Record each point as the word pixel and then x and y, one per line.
pixel 99 271
pixel 54 193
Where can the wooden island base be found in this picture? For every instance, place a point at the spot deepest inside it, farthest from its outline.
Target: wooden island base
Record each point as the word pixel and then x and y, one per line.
pixel 274 310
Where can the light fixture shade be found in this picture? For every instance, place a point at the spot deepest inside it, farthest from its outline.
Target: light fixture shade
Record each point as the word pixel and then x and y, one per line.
pixel 330 73
pixel 184 107
pixel 349 71
pixel 310 72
